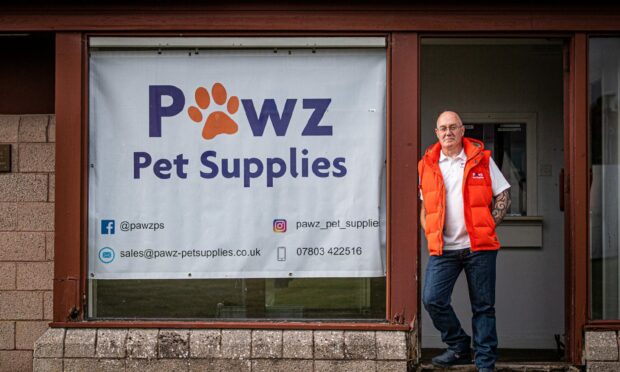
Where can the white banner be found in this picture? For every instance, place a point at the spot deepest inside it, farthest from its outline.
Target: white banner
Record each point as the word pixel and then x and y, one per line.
pixel 237 164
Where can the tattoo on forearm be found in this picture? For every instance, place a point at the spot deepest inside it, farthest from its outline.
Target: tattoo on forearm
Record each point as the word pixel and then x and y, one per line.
pixel 501 205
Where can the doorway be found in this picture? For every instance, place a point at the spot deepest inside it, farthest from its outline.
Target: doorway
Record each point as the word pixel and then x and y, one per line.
pixel 510 94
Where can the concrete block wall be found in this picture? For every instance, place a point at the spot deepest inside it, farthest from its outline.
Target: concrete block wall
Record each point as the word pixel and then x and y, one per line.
pixel 26 237
pixel 601 351
pixel 221 350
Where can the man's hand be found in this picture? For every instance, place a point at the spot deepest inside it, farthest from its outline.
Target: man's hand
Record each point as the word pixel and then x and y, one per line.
pixel 501 204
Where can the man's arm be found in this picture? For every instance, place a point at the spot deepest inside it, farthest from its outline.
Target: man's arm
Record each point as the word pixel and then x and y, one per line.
pixel 501 204
pixel 423 217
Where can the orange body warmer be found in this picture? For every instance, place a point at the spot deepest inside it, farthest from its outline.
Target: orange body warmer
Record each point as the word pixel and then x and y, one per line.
pixel 477 197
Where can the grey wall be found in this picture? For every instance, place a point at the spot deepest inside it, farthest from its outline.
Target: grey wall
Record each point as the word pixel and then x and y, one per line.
pixel 508 79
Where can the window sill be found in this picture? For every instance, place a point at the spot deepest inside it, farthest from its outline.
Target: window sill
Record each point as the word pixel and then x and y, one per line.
pixel 602 325
pixel 383 326
pixel 521 232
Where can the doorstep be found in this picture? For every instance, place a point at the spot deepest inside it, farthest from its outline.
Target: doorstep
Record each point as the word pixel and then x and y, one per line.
pixel 506 367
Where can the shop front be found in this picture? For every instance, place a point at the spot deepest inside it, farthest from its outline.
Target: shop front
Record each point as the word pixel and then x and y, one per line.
pixel 237 188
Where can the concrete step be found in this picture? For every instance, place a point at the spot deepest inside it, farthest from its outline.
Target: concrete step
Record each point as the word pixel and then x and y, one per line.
pixel 505 367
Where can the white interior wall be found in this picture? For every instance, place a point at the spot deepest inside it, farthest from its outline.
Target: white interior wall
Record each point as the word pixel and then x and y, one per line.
pixel 507 79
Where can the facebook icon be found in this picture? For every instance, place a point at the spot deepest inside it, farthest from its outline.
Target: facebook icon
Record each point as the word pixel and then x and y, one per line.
pixel 107 227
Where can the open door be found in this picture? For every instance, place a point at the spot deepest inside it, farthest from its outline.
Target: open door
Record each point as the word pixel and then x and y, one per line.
pixel 510 94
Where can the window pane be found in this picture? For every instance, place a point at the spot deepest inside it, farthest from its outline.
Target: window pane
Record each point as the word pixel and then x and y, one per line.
pixel 299 298
pixel 604 71
pixel 507 142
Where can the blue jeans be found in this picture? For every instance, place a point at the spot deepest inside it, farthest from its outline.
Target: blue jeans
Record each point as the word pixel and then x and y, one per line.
pixel 441 274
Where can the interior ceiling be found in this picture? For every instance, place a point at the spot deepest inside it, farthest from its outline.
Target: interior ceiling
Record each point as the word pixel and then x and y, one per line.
pixel 490 41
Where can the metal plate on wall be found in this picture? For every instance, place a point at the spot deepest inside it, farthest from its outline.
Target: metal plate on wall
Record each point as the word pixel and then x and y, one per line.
pixel 5 158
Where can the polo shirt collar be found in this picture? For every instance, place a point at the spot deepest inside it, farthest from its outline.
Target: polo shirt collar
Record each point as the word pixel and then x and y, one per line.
pixel 461 156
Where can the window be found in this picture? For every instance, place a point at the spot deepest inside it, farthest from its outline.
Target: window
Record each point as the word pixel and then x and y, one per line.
pixel 512 141
pixel 604 73
pixel 237 182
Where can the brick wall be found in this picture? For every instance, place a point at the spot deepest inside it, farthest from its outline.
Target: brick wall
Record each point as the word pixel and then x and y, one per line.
pixel 26 237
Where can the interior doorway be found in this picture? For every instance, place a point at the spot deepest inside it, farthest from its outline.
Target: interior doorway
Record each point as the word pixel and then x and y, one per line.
pixel 510 94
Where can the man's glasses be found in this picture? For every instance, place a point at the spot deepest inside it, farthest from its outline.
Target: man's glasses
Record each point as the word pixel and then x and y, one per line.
pixel 451 128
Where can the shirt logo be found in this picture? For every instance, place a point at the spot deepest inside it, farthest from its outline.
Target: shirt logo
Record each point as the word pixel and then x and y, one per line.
pixel 477 175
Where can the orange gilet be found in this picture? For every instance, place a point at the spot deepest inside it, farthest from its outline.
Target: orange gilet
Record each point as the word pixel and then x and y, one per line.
pixel 477 197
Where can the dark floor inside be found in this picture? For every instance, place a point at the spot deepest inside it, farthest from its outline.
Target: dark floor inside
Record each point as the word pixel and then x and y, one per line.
pixel 509 355
pixel 548 360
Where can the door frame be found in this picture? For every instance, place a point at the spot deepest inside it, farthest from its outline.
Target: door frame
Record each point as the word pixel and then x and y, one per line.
pixel 573 181
pixel 576 195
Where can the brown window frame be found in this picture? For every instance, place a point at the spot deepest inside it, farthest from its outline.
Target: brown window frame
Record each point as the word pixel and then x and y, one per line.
pixel 70 284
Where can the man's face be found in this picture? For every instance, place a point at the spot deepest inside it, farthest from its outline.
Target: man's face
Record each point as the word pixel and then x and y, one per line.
pixel 449 129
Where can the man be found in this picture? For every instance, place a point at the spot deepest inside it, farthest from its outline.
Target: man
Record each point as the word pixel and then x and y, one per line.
pixel 464 197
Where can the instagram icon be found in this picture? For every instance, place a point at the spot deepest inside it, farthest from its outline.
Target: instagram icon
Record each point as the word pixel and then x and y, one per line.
pixel 279 226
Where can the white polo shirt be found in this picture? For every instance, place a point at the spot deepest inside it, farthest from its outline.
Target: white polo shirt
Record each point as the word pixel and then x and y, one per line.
pixel 454 231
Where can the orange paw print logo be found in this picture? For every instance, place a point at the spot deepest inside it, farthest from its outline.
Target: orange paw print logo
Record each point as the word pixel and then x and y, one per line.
pixel 217 122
